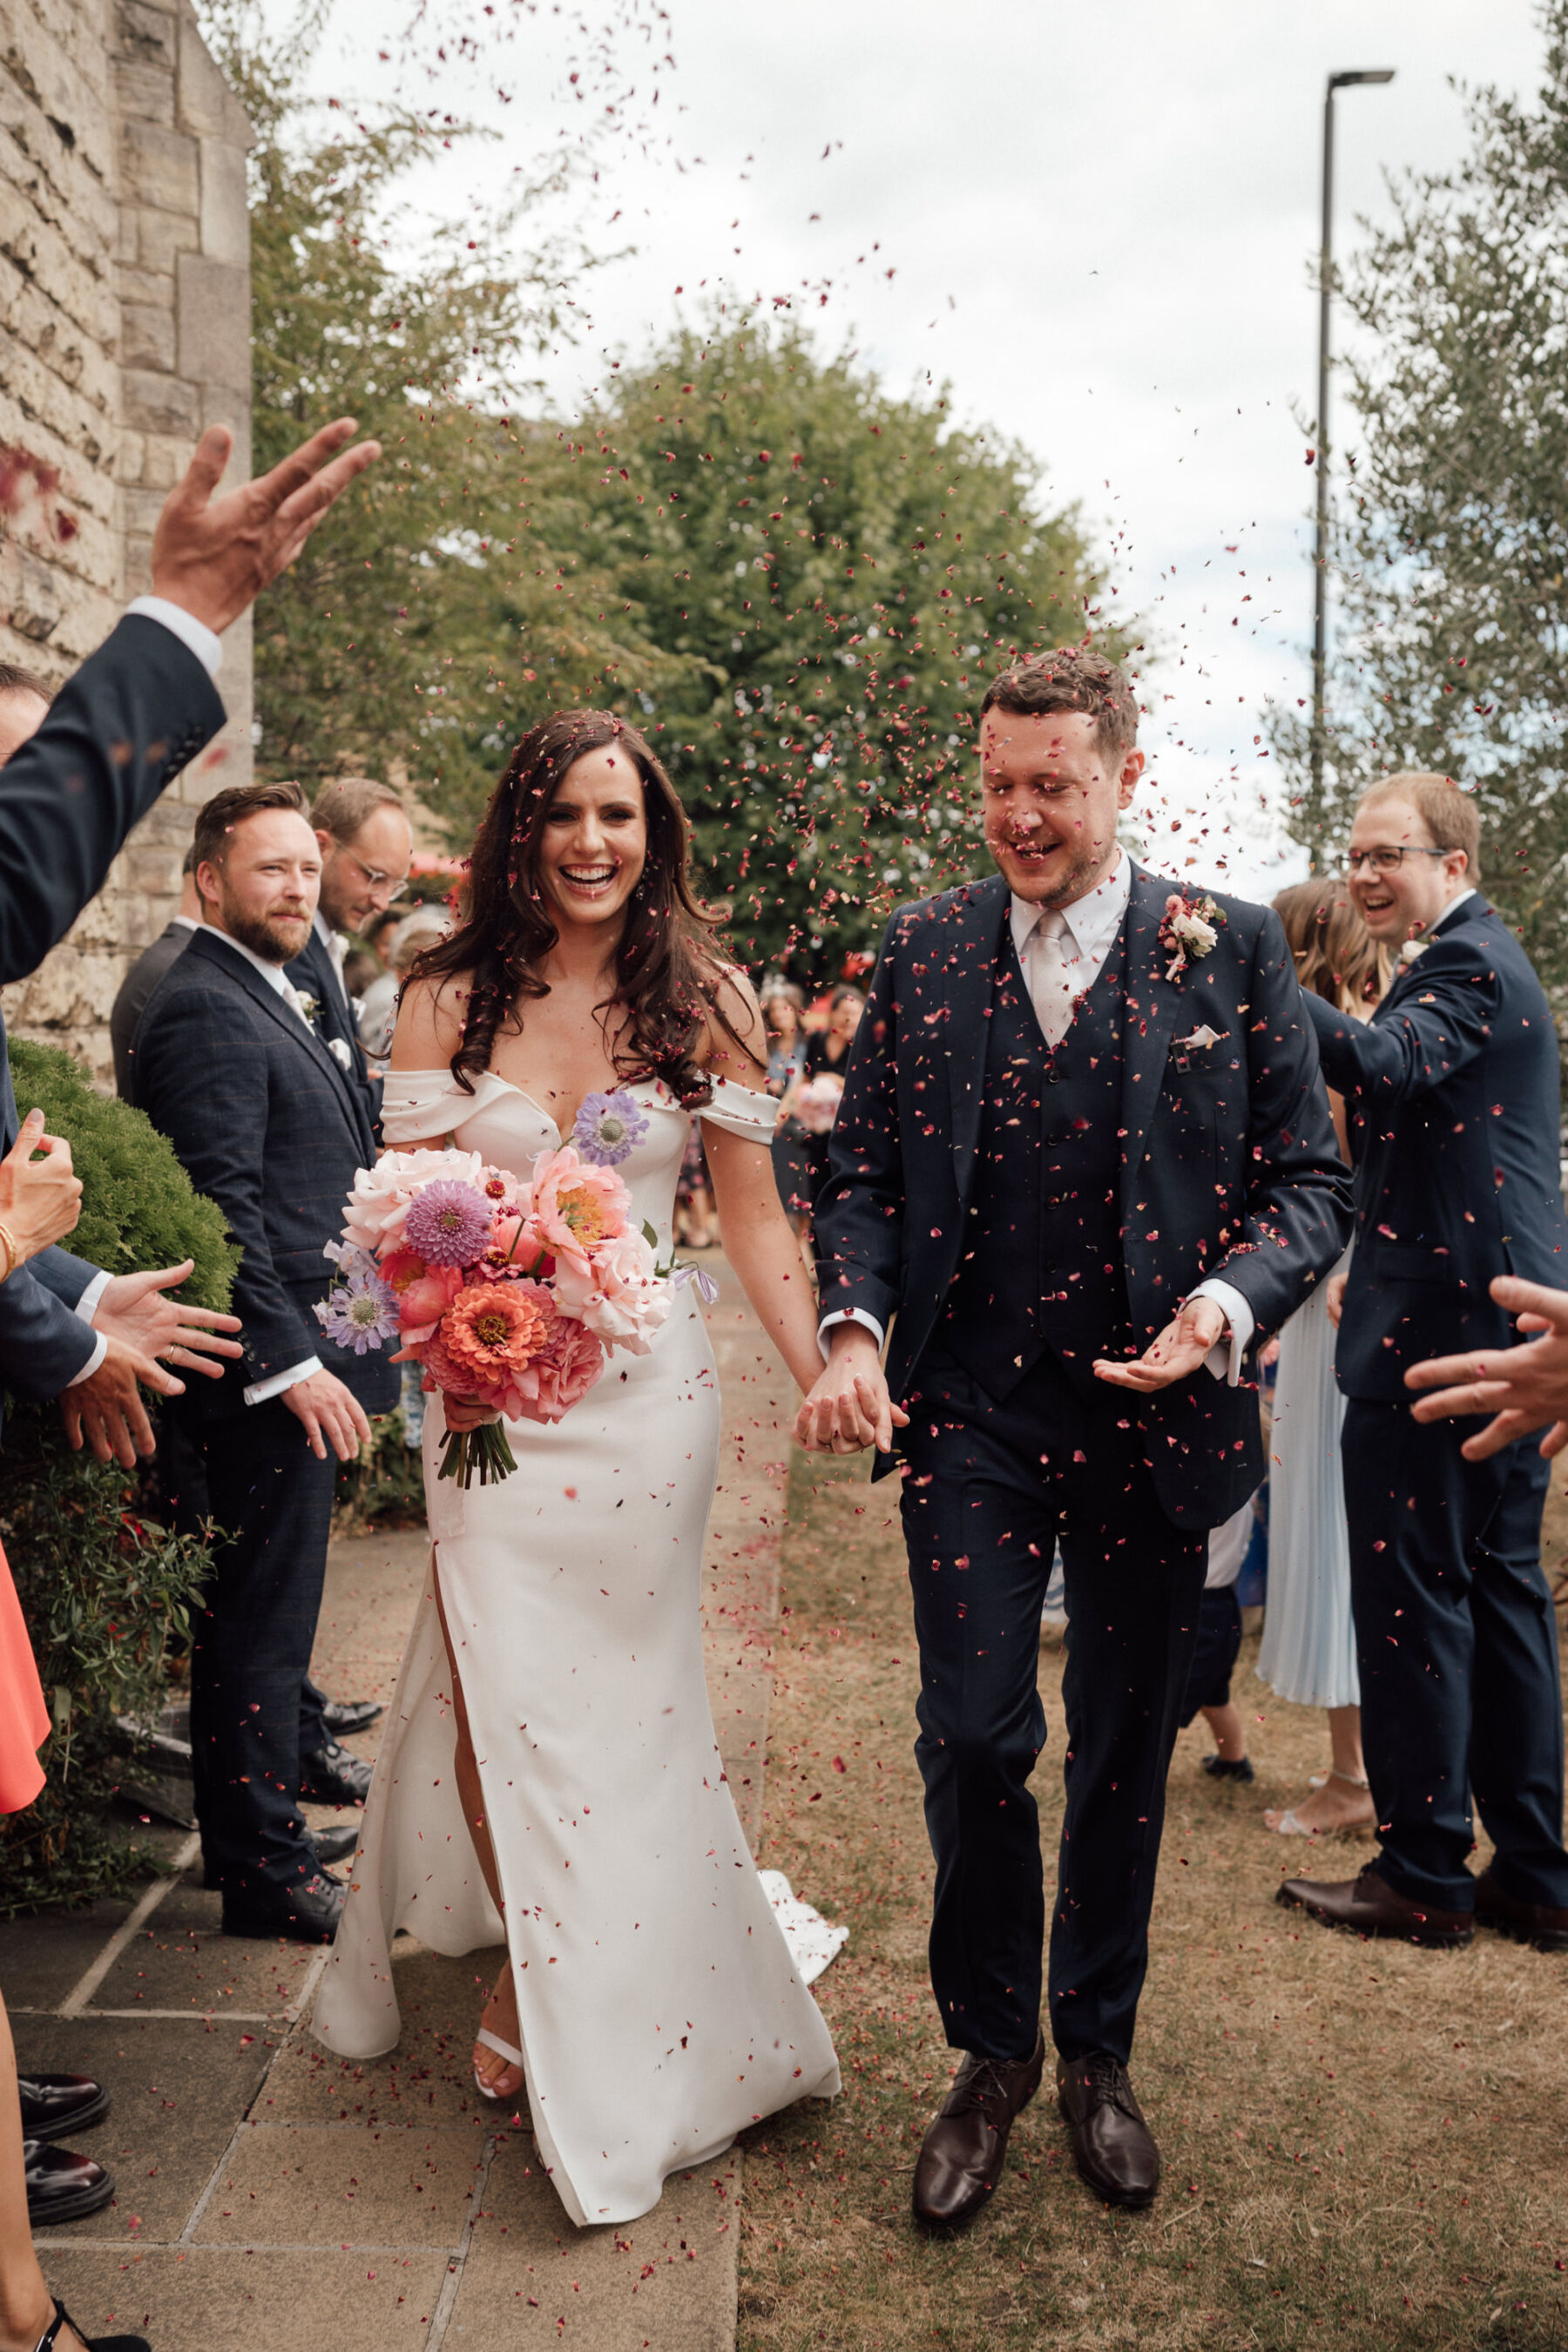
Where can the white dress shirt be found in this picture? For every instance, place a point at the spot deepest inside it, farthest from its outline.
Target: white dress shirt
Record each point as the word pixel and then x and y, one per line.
pixel 277 978
pixel 1091 926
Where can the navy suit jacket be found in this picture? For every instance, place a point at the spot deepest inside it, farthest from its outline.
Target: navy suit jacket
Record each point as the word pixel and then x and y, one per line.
pixel 1453 1088
pixel 117 733
pixel 313 975
pixel 266 1123
pixel 1230 1165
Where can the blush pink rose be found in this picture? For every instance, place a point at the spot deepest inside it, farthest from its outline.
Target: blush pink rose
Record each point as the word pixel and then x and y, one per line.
pixel 562 1372
pixel 618 1296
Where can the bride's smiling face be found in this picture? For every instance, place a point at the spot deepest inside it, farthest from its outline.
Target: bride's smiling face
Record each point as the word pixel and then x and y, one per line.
pixel 594 843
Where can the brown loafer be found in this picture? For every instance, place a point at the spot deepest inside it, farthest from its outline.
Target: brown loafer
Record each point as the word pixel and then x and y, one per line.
pixel 1112 2146
pixel 962 2156
pixel 1368 1906
pixel 1544 1924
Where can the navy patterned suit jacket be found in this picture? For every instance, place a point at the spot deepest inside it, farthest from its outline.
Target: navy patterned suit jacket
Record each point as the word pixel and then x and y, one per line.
pixel 1230 1165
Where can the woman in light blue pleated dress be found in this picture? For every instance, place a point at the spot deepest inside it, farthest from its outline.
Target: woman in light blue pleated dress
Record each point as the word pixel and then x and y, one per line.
pixel 1308 1654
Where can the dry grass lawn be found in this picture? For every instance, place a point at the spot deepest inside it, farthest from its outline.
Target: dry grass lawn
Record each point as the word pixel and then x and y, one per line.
pixel 1364 2146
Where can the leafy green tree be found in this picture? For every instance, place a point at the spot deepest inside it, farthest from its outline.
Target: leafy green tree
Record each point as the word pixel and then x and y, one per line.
pixel 422 330
pixel 1452 547
pixel 830 574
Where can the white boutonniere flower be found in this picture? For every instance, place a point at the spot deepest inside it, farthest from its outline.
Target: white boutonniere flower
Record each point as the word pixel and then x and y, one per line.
pixel 310 1006
pixel 1411 949
pixel 1190 930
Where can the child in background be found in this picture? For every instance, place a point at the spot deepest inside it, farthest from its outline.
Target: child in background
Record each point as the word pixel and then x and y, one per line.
pixel 1220 1642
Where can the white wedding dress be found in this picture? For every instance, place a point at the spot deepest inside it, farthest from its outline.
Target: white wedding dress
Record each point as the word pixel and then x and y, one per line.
pixel 662 2009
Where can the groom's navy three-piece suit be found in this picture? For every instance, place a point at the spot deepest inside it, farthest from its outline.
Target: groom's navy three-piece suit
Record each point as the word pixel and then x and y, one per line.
pixel 266 1120
pixel 1453 1092
pixel 1013 1213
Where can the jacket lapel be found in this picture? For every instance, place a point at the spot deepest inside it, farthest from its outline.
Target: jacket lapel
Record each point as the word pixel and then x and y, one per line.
pixel 1153 1004
pixel 973 939
pixel 277 1009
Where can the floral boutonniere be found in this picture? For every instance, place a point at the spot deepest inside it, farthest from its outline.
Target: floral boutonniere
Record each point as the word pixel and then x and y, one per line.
pixel 1410 950
pixel 310 1006
pixel 1190 929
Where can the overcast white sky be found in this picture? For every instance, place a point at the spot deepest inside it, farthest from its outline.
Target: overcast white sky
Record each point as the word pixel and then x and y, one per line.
pixel 1100 220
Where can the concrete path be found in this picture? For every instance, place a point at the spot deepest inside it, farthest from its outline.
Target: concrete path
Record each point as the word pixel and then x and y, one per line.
pixel 274 2198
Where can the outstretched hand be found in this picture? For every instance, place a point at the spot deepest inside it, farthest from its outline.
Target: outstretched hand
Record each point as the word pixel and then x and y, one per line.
pixel 1523 1387
pixel 1181 1350
pixel 135 1310
pixel 213 556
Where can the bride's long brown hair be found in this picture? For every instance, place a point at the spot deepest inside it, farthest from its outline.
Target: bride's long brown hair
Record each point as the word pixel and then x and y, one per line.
pixel 667 962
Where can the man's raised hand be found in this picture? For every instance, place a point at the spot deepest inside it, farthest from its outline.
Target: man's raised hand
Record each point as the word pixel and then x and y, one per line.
pixel 1181 1350
pixel 213 556
pixel 849 1406
pixel 1523 1387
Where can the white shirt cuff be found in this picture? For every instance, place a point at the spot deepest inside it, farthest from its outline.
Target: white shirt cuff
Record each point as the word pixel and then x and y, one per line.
pixel 848 1315
pixel 87 1305
pixel 196 634
pixel 262 1390
pixel 1223 1359
pixel 99 1349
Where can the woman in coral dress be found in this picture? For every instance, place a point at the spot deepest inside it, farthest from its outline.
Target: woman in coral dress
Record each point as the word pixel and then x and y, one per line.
pixel 550 1771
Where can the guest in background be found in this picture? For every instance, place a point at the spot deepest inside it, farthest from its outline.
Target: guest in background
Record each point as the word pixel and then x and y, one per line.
pixel 782 1005
pixel 366 850
pixel 1308 1651
pixel 1454 1093
pixel 424 927
pixel 695 1223
pixel 1218 1647
pixel 827 1055
pixel 270 1123
pixel 144 975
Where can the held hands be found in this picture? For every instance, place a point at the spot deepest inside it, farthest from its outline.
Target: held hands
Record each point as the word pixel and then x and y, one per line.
pixel 40 1199
pixel 1336 1297
pixel 1522 1387
pixel 329 1413
pixel 1178 1352
pixel 213 556
pixel 849 1406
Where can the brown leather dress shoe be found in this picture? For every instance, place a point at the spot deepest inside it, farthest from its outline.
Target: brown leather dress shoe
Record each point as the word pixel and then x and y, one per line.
pixel 1112 2146
pixel 1368 1906
pixel 962 2156
pixel 1544 1924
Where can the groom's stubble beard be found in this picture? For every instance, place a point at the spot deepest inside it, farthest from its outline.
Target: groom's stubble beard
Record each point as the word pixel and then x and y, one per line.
pixel 1087 869
pixel 275 938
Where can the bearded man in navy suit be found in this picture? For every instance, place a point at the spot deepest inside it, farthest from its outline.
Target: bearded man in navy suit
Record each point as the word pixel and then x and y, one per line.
pixel 1453 1088
pixel 1084 1161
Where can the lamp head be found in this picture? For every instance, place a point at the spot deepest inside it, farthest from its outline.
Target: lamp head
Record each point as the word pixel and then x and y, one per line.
pixel 1376 73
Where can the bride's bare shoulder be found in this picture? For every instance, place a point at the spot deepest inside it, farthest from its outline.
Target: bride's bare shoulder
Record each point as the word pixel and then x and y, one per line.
pixel 430 1021
pixel 734 1044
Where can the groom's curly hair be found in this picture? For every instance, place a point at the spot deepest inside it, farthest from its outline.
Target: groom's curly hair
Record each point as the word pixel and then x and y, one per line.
pixel 1072 678
pixel 668 966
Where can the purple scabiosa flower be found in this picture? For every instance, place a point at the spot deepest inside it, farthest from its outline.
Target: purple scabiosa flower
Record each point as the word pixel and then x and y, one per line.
pixel 608 1128
pixel 447 1224
pixel 359 1313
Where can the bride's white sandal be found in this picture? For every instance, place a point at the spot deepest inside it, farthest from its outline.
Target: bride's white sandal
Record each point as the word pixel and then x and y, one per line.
pixel 502 2050
pixel 1291 1825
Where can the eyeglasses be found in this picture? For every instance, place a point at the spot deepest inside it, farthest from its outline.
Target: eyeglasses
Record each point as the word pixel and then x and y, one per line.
pixel 377 881
pixel 1387 861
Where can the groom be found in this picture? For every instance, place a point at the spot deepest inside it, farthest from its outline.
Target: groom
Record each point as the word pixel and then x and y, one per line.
pixel 1084 1158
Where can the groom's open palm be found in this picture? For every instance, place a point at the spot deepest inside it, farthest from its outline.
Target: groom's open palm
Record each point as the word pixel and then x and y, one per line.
pixel 1181 1349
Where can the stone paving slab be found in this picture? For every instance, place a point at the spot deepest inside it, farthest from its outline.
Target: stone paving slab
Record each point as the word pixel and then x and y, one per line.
pixel 269 2189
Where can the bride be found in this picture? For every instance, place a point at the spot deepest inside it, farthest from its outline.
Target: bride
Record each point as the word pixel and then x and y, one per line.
pixel 550 1767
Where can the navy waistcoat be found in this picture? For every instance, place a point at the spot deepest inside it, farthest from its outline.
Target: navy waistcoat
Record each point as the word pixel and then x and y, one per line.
pixel 1041 1268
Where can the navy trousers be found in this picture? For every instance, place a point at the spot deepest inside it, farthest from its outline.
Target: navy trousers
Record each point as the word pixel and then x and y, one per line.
pixel 272 1501
pixel 1456 1640
pixel 991 1488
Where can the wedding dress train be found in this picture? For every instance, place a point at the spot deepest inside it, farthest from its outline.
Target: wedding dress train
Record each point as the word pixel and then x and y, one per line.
pixel 661 2007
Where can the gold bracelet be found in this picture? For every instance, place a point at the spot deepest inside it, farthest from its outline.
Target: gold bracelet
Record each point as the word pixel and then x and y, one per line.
pixel 10 1253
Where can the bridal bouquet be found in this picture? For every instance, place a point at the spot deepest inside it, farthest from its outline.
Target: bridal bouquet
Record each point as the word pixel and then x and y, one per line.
pixel 511 1291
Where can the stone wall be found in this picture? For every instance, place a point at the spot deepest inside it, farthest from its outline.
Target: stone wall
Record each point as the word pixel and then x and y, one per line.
pixel 124 331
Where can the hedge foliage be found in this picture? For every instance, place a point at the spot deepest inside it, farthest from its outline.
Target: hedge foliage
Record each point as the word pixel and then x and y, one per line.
pixel 106 1592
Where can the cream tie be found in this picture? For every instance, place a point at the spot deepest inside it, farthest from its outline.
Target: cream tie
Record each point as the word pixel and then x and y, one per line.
pixel 1050 982
pixel 292 997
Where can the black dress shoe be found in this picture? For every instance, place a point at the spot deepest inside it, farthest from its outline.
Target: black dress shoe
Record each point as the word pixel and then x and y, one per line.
pixel 333 1777
pixel 1112 2146
pixel 336 1844
pixel 1544 1924
pixel 61 2186
pixel 62 2319
pixel 57 2106
pixel 964 2151
pixel 1229 1768
pixel 1369 1905
pixel 307 1912
pixel 345 1715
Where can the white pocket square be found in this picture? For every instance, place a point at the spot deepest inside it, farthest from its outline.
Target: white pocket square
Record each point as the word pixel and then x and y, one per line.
pixel 342 1052
pixel 1201 1040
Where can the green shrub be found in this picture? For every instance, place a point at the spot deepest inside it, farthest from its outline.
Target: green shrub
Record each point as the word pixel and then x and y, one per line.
pixel 106 1592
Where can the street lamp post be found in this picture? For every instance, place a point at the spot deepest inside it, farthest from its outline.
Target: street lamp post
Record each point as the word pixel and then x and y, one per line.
pixel 1325 285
